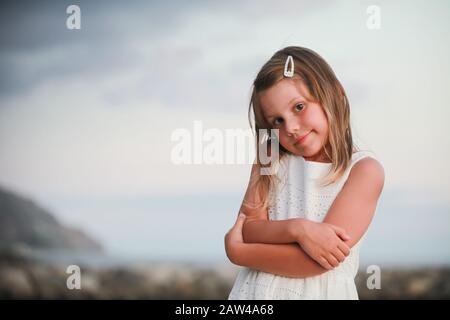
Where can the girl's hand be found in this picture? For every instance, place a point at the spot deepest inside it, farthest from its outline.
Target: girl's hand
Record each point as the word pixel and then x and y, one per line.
pixel 323 242
pixel 234 238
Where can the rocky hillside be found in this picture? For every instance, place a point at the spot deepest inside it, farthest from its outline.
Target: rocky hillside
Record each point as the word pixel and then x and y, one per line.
pixel 25 224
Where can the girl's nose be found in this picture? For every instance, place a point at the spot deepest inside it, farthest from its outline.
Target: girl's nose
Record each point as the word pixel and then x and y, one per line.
pixel 292 127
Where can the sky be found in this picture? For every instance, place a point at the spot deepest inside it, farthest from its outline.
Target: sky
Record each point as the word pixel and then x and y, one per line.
pixel 86 116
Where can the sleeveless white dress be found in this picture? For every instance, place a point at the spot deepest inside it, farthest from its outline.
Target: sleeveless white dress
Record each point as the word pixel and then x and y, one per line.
pixel 300 197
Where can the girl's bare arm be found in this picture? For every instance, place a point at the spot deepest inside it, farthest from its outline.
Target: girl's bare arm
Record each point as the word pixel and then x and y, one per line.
pixel 352 210
pixel 257 227
pixel 287 260
pixel 324 243
pixel 355 205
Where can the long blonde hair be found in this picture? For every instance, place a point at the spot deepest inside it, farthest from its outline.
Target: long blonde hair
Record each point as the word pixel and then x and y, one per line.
pixel 324 88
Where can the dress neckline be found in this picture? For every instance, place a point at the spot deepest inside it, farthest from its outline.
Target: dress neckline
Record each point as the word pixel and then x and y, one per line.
pixel 317 163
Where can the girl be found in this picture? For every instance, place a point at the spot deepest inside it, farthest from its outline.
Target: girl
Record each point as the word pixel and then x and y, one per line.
pixel 299 230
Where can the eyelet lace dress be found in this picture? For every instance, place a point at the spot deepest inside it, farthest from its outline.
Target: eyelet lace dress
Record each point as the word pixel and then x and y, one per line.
pixel 300 197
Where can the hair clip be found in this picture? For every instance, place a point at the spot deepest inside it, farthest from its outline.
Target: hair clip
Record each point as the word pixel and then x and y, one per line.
pixel 289 73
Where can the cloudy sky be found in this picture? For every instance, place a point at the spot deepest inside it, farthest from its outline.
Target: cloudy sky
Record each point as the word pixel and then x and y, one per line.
pixel 86 115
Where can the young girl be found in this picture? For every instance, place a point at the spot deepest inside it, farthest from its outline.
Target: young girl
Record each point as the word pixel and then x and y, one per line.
pixel 299 230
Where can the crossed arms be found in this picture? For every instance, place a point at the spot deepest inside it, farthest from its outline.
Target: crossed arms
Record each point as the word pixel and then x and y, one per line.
pixel 300 248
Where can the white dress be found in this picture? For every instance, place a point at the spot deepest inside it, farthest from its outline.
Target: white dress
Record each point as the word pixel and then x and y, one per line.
pixel 300 197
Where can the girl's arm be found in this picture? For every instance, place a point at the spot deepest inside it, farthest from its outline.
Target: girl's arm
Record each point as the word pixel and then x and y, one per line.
pixel 355 205
pixel 323 242
pixel 263 230
pixel 257 227
pixel 352 209
pixel 280 259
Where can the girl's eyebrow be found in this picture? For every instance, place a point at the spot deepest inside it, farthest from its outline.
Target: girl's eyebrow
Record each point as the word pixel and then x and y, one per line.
pixel 290 102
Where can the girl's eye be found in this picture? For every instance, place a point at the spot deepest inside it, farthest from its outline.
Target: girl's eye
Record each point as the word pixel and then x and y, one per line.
pixel 299 106
pixel 277 121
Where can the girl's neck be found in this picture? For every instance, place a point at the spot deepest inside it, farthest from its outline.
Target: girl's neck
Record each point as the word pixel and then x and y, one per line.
pixel 322 158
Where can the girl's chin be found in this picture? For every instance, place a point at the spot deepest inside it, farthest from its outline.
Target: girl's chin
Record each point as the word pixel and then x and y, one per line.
pixel 307 152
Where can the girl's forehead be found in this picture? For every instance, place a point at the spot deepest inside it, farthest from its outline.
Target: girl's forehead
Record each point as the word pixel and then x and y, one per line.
pixel 282 92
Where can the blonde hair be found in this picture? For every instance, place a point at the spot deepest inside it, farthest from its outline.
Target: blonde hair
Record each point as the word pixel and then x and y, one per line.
pixel 324 88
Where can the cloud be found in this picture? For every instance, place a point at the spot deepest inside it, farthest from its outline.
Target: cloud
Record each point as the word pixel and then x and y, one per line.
pixel 178 46
pixel 136 72
pixel 36 45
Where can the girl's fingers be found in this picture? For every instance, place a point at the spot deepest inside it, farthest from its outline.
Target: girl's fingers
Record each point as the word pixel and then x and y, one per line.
pixel 324 263
pixel 332 261
pixel 240 219
pixel 239 223
pixel 339 255
pixel 344 249
pixel 341 233
pixel 235 233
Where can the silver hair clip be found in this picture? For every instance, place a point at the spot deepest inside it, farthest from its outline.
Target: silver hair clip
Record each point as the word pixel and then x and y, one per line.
pixel 289 73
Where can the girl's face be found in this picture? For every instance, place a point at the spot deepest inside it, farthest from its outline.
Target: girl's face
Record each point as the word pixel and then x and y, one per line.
pixel 287 106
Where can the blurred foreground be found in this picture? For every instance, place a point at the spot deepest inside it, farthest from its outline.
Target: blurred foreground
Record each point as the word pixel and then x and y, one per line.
pixel 22 278
pixel 36 249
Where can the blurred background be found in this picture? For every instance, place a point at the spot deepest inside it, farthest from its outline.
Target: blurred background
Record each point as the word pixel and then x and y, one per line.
pixel 87 115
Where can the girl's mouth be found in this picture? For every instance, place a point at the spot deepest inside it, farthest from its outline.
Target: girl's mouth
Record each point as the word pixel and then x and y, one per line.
pixel 302 138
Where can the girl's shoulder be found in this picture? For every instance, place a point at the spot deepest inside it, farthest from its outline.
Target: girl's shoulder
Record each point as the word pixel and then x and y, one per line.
pixel 366 165
pixel 364 155
pixel 362 162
